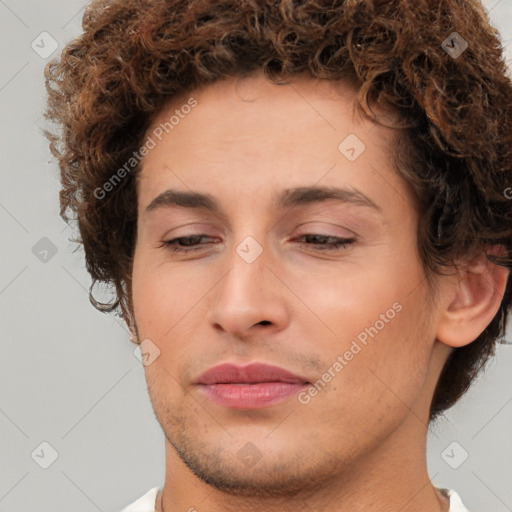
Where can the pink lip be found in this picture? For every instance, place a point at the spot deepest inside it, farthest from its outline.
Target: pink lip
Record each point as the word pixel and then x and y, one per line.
pixel 249 387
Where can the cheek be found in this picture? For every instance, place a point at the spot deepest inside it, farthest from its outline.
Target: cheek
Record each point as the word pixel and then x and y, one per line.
pixel 350 298
pixel 169 305
pixel 384 373
pixel 162 295
pixel 377 321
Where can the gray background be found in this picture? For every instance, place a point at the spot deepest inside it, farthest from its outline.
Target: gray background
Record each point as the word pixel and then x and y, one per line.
pixel 68 374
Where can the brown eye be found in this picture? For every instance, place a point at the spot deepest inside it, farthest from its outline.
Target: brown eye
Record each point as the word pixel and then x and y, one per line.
pixel 185 243
pixel 327 242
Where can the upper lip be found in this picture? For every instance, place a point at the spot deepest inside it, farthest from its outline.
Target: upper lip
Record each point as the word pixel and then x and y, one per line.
pixel 253 373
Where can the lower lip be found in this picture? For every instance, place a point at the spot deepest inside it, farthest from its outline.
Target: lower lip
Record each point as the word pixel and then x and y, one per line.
pixel 251 396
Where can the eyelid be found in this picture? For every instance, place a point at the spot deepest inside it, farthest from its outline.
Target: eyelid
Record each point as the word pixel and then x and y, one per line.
pixel 318 228
pixel 193 229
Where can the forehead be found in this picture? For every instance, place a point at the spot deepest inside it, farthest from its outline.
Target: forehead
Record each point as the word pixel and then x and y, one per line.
pixel 256 103
pixel 249 138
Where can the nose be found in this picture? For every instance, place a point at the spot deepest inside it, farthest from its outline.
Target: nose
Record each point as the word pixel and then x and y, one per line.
pixel 250 298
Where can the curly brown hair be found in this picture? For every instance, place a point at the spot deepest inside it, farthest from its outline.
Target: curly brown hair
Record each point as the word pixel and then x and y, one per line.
pixel 453 144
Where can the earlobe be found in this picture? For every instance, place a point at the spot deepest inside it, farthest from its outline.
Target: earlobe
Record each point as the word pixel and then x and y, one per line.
pixel 473 298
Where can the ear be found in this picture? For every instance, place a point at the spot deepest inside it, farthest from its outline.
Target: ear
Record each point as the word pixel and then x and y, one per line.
pixel 470 300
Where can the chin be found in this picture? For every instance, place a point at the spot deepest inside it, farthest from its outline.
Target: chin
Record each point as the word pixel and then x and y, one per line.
pixel 251 472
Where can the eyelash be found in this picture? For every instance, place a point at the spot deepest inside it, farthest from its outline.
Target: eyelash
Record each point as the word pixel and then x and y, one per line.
pixel 339 243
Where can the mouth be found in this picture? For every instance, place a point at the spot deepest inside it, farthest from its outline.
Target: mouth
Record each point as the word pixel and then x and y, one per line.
pixel 253 386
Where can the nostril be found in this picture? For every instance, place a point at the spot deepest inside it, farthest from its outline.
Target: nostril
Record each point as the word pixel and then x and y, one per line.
pixel 264 322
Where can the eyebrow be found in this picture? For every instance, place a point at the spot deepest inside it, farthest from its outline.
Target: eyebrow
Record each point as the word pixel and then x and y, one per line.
pixel 289 198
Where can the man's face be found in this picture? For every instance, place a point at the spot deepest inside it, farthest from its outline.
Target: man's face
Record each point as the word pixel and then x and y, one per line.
pixel 262 282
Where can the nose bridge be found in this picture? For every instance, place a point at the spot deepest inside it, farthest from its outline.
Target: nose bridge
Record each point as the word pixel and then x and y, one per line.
pixel 249 251
pixel 247 280
pixel 248 293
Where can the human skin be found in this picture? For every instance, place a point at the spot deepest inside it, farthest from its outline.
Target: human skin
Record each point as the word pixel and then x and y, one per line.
pixel 359 444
